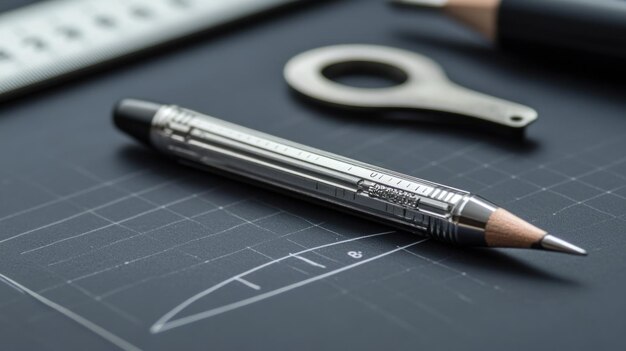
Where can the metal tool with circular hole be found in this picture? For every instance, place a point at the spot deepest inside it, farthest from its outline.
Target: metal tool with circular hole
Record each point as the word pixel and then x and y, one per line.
pixel 422 85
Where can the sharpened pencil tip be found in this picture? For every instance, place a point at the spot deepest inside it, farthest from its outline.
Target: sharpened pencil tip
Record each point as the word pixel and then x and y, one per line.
pixel 552 243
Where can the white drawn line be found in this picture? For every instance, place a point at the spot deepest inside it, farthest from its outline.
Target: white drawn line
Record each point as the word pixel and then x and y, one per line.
pixel 128 286
pixel 91 210
pixel 166 317
pixel 9 282
pixel 164 322
pixel 72 195
pixel 143 257
pixel 312 263
pixel 105 334
pixel 113 223
pixel 157 328
pixel 153 230
pixel 249 284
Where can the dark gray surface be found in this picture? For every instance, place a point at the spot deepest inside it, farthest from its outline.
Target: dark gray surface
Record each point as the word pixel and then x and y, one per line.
pixel 120 236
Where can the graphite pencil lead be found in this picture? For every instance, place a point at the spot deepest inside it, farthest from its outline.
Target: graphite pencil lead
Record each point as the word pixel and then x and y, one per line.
pixel 552 243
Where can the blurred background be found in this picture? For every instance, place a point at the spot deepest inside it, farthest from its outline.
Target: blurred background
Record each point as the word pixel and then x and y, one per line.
pixel 100 237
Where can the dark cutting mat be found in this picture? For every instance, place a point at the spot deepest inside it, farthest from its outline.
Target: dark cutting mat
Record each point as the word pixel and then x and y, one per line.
pixel 105 231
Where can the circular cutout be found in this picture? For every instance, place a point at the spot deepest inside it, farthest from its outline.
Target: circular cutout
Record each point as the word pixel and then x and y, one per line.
pixel 365 74
pixel 516 118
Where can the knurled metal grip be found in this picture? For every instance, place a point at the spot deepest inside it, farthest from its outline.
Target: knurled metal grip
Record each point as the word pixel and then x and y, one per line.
pixel 411 203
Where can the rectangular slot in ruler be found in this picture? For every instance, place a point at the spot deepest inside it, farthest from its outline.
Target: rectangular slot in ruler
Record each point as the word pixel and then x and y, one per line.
pixel 49 40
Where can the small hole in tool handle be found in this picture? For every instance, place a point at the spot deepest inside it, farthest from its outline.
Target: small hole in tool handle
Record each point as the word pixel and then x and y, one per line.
pixel 365 74
pixel 516 118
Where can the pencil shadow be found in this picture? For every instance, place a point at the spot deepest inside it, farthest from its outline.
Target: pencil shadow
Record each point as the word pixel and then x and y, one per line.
pixel 597 75
pixel 498 262
pixel 138 156
pixel 486 260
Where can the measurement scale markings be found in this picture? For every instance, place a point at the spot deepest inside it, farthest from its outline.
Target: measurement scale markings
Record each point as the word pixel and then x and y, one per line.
pixel 50 47
pixel 312 263
pixel 248 284
pixel 166 322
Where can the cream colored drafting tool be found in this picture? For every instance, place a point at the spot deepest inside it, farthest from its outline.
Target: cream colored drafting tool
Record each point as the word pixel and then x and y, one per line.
pixel 52 39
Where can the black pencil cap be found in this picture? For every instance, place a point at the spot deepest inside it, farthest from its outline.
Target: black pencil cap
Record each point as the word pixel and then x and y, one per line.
pixel 134 117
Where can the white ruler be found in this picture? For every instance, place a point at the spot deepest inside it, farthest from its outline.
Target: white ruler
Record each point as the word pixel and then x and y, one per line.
pixel 51 39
